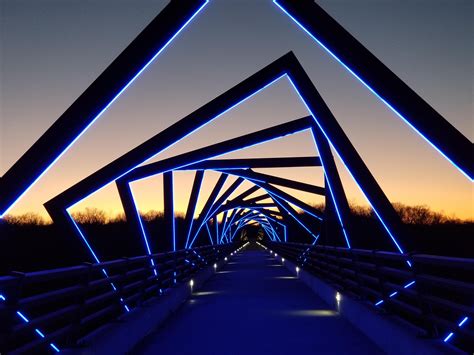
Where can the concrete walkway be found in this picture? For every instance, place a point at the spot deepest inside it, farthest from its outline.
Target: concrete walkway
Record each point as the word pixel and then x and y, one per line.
pixel 253 305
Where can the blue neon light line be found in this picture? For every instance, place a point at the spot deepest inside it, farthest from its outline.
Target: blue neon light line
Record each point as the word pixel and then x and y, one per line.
pixel 230 108
pixel 217 229
pixel 54 347
pixel 191 132
pixel 192 219
pixel 229 225
pixel 94 256
pixel 332 196
pixel 240 218
pixel 142 228
pixel 393 294
pixel 371 90
pixel 83 237
pixel 276 194
pixel 26 320
pixel 342 160
pixel 461 323
pixel 451 334
pixel 209 233
pixel 257 182
pixel 22 316
pixel 105 108
pixel 316 239
pixel 291 214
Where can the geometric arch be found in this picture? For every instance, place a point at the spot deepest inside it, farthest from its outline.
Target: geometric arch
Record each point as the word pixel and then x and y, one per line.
pixel 309 16
pixel 322 123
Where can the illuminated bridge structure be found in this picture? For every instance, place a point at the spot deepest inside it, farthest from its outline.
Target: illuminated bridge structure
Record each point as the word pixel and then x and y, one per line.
pixel 379 300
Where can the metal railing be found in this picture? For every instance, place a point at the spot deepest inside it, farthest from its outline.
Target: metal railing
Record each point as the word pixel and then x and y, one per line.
pixel 435 293
pixel 48 310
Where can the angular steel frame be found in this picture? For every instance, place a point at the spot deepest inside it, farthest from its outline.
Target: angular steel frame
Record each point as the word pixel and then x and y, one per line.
pixel 96 99
pixel 323 122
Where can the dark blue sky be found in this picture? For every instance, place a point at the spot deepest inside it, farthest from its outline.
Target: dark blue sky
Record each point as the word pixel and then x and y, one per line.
pixel 51 50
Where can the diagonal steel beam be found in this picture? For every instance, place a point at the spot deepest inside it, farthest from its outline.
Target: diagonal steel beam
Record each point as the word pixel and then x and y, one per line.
pixel 95 100
pixel 381 81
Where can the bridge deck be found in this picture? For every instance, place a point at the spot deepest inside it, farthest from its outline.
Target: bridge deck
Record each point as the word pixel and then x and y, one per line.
pixel 253 305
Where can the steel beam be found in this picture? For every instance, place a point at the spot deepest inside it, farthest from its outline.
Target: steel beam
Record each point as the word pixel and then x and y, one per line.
pixel 381 81
pixel 88 107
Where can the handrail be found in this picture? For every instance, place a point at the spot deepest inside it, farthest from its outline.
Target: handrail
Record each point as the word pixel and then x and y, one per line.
pixel 51 309
pixel 436 293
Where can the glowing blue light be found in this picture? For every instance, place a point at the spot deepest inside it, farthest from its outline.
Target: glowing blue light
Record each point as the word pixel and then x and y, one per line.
pixel 345 165
pixel 145 238
pixel 26 320
pixel 461 323
pixel 189 133
pixel 316 239
pixel 184 165
pixel 330 190
pixel 294 217
pixel 54 347
pixel 104 109
pixel 371 89
pixel 93 254
pixel 450 335
pixel 379 303
pixel 83 238
pixel 192 221
pixel 208 232
pixel 22 316
pixel 409 284
pixel 256 182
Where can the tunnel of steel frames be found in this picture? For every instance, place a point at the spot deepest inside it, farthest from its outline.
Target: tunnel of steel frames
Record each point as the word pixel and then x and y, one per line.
pixel 388 279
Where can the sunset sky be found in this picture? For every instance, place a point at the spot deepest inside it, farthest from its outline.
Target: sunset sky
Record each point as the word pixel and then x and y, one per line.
pixel 51 50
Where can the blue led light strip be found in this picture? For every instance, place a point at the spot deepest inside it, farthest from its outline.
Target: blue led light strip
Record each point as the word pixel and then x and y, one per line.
pixel 393 294
pixel 333 198
pixel 104 109
pixel 26 320
pixel 142 228
pixel 95 257
pixel 191 132
pixel 451 334
pixel 275 198
pixel 371 89
pixel 345 165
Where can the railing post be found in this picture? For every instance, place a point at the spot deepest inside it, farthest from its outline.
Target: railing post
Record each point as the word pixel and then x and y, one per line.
pixel 121 283
pixel 380 278
pixel 147 262
pixel 424 306
pixel 9 307
pixel 84 281
pixel 338 265
pixel 355 266
pixel 175 268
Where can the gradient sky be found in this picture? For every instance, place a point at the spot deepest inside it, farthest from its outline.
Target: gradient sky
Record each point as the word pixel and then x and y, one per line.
pixel 51 50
